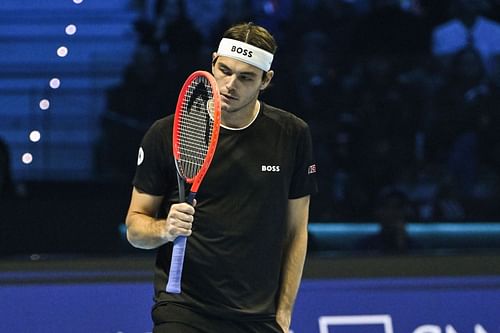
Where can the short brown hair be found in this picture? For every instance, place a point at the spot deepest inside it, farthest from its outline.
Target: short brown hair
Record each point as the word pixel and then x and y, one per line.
pixel 252 34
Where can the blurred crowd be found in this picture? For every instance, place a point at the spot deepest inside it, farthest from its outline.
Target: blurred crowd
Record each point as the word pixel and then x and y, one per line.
pixel 401 96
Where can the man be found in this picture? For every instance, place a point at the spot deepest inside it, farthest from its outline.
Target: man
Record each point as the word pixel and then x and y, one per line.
pixel 248 227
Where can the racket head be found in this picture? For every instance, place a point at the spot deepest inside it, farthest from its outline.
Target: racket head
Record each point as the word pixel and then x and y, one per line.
pixel 196 127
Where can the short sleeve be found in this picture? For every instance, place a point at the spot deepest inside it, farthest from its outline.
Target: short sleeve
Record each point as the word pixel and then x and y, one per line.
pixel 304 175
pixel 155 172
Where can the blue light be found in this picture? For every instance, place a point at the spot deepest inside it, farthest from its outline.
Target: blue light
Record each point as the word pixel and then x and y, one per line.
pixel 344 228
pixel 454 228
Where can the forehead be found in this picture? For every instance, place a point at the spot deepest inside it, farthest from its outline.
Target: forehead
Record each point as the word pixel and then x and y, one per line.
pixel 238 66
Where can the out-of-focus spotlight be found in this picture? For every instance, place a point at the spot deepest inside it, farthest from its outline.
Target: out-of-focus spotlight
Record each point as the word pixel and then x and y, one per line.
pixel 62 51
pixel 35 136
pixel 78 1
pixel 44 104
pixel 27 158
pixel 54 83
pixel 70 29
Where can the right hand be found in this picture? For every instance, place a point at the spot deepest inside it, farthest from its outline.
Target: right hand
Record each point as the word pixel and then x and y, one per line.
pixel 179 221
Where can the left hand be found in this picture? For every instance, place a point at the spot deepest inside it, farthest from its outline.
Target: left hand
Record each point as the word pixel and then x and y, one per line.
pixel 283 320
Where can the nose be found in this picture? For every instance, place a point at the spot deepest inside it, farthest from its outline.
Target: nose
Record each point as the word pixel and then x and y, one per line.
pixel 231 82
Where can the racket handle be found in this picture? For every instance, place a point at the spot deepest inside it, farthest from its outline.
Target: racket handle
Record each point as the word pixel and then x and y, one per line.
pixel 177 261
pixel 190 198
pixel 175 274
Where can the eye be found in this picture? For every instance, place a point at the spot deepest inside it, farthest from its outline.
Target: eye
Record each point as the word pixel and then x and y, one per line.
pixel 225 70
pixel 246 78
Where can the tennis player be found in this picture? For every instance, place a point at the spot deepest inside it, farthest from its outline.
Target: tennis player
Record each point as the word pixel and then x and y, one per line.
pixel 248 227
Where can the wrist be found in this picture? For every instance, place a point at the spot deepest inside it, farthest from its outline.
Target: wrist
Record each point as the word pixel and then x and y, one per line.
pixel 284 318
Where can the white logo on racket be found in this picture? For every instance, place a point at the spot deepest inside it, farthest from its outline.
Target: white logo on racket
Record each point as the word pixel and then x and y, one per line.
pixel 210 108
pixel 140 156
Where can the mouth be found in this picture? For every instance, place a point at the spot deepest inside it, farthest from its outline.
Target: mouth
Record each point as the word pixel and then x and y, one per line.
pixel 229 97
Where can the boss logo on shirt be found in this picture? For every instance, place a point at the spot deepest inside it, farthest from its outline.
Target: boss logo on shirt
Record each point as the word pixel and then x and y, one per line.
pixel 241 51
pixel 270 168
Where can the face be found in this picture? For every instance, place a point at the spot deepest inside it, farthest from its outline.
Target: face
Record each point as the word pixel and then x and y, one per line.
pixel 239 84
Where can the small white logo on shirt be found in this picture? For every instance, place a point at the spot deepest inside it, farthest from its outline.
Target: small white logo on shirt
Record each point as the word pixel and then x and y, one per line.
pixel 270 168
pixel 140 156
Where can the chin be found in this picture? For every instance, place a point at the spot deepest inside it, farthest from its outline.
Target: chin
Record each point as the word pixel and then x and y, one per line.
pixel 229 109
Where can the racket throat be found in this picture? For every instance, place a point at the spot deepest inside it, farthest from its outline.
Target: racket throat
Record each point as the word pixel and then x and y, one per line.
pixel 182 191
pixel 182 188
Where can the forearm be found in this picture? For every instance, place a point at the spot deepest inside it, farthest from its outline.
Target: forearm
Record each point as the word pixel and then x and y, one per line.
pixel 294 256
pixel 145 232
pixel 293 265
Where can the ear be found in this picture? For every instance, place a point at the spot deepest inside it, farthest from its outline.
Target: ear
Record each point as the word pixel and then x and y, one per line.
pixel 267 79
pixel 214 59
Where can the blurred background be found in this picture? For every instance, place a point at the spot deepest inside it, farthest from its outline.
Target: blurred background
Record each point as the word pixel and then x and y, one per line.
pixel 402 98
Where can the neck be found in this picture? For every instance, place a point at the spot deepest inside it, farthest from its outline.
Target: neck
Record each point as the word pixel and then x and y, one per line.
pixel 241 118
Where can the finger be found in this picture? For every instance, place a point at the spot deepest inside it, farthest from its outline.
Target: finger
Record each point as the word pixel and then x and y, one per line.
pixel 174 232
pixel 178 224
pixel 180 220
pixel 182 216
pixel 184 208
pixel 175 227
pixel 185 233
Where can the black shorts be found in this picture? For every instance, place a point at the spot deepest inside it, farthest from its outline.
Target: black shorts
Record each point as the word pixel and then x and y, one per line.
pixel 170 318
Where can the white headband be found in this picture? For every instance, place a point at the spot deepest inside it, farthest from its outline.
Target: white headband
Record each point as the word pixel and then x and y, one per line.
pixel 245 52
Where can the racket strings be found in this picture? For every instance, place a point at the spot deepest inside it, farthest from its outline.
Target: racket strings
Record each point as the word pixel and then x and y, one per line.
pixel 196 127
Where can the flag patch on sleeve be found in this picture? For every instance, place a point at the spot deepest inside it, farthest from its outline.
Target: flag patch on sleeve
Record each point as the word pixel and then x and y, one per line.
pixel 311 169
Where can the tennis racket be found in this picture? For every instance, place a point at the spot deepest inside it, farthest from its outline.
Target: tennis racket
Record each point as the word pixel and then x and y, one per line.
pixel 194 139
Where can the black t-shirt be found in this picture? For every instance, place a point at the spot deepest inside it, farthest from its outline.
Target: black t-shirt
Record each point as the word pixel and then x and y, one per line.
pixel 233 257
